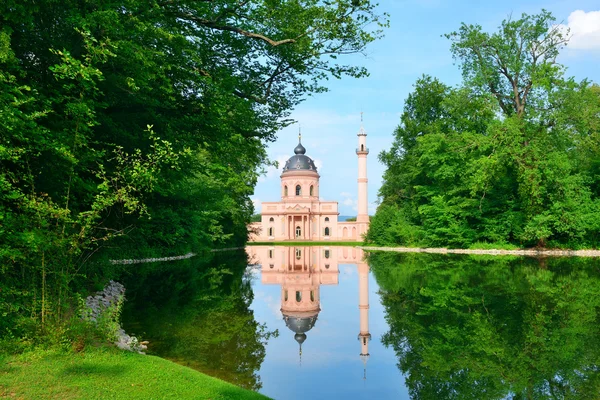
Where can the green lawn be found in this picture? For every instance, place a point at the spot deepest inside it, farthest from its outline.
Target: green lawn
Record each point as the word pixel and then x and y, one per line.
pixel 107 374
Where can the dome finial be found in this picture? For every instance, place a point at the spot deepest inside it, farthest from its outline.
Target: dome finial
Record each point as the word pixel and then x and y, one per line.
pixel 299 133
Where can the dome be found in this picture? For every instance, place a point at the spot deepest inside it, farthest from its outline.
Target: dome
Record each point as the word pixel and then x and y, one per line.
pixel 300 325
pixel 300 338
pixel 299 161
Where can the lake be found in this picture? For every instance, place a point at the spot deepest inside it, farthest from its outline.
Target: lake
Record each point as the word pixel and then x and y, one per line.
pixel 315 322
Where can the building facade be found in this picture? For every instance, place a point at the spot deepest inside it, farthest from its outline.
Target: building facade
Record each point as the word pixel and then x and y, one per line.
pixel 301 215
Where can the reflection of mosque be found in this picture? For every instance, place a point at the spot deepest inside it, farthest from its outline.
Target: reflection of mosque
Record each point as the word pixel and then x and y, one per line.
pixel 301 271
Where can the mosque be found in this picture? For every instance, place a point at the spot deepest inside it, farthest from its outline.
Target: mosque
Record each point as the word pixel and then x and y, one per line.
pixel 300 271
pixel 301 215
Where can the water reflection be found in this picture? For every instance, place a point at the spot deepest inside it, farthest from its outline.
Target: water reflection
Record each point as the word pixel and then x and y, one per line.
pixel 443 327
pixel 301 271
pixel 492 327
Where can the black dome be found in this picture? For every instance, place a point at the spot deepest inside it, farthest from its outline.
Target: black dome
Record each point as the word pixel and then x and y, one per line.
pixel 300 324
pixel 300 161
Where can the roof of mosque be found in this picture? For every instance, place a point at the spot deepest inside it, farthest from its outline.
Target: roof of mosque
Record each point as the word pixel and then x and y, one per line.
pixel 299 161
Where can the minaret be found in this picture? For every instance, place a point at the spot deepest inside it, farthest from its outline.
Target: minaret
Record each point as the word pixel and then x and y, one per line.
pixel 362 219
pixel 363 305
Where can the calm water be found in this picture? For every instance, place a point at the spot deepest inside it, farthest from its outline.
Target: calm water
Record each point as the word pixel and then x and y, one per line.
pixel 322 323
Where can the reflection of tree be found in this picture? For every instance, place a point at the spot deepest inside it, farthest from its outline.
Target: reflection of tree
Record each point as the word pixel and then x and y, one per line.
pixel 196 313
pixel 479 328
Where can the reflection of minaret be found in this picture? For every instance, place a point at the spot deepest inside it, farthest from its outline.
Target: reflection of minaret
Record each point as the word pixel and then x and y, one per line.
pixel 363 305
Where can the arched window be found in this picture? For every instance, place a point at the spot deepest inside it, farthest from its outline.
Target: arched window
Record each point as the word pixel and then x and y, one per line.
pixel 327 231
pixel 326 266
pixel 298 254
pixel 285 295
pixel 298 296
pixel 326 219
pixel 327 254
pixel 362 147
pixel 270 253
pixel 285 192
pixel 298 231
pixel 270 231
pixel 312 190
pixel 271 219
pixel 298 190
pixel 312 296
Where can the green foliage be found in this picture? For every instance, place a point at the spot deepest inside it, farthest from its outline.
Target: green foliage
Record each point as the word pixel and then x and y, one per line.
pixel 142 125
pixel 475 327
pixel 506 157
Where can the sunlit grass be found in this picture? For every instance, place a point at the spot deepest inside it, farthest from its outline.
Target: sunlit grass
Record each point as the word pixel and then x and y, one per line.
pixel 107 373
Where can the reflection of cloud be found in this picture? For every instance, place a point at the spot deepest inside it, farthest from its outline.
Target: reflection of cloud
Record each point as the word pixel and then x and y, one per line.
pixel 584 30
pixel 273 305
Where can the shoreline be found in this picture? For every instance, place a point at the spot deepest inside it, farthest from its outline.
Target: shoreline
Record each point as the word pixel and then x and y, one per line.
pixel 493 252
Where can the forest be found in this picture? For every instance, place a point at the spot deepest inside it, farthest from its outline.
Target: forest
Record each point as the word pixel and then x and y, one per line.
pixel 134 128
pixel 510 157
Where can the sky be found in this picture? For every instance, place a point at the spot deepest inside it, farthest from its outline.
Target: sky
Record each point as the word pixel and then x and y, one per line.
pixel 412 46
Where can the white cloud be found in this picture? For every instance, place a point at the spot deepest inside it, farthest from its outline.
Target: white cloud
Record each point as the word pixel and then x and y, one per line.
pixel 273 172
pixel 584 29
pixel 345 194
pixel 318 164
pixel 257 205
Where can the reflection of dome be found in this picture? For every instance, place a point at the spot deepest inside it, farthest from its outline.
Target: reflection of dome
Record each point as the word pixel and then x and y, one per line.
pixel 300 324
pixel 300 337
pixel 299 161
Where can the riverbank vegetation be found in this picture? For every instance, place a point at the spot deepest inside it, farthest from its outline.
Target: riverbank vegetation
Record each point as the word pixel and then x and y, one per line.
pixel 136 129
pixel 510 156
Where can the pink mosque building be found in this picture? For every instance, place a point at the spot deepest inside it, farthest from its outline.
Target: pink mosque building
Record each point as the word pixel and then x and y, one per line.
pixel 300 271
pixel 301 215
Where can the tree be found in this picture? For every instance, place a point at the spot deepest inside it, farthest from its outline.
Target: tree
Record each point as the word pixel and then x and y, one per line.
pixel 501 158
pixel 135 123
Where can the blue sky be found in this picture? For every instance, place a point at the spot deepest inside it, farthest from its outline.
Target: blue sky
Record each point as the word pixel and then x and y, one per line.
pixel 412 46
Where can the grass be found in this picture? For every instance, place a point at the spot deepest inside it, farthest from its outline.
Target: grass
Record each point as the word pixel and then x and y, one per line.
pixel 307 243
pixel 107 373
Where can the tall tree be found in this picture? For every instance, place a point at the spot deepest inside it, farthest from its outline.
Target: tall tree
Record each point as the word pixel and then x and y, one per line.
pixel 502 158
pixel 148 119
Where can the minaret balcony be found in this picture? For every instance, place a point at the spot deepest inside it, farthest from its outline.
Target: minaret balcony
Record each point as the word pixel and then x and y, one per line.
pixel 364 150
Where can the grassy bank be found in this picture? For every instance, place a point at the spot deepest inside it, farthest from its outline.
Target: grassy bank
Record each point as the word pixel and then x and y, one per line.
pixel 107 373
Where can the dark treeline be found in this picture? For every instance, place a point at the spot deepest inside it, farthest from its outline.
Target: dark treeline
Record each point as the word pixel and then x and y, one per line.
pixel 511 156
pixel 492 328
pixel 137 128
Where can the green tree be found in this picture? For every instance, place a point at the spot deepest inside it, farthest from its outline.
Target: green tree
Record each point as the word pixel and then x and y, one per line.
pixel 506 157
pixel 81 83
